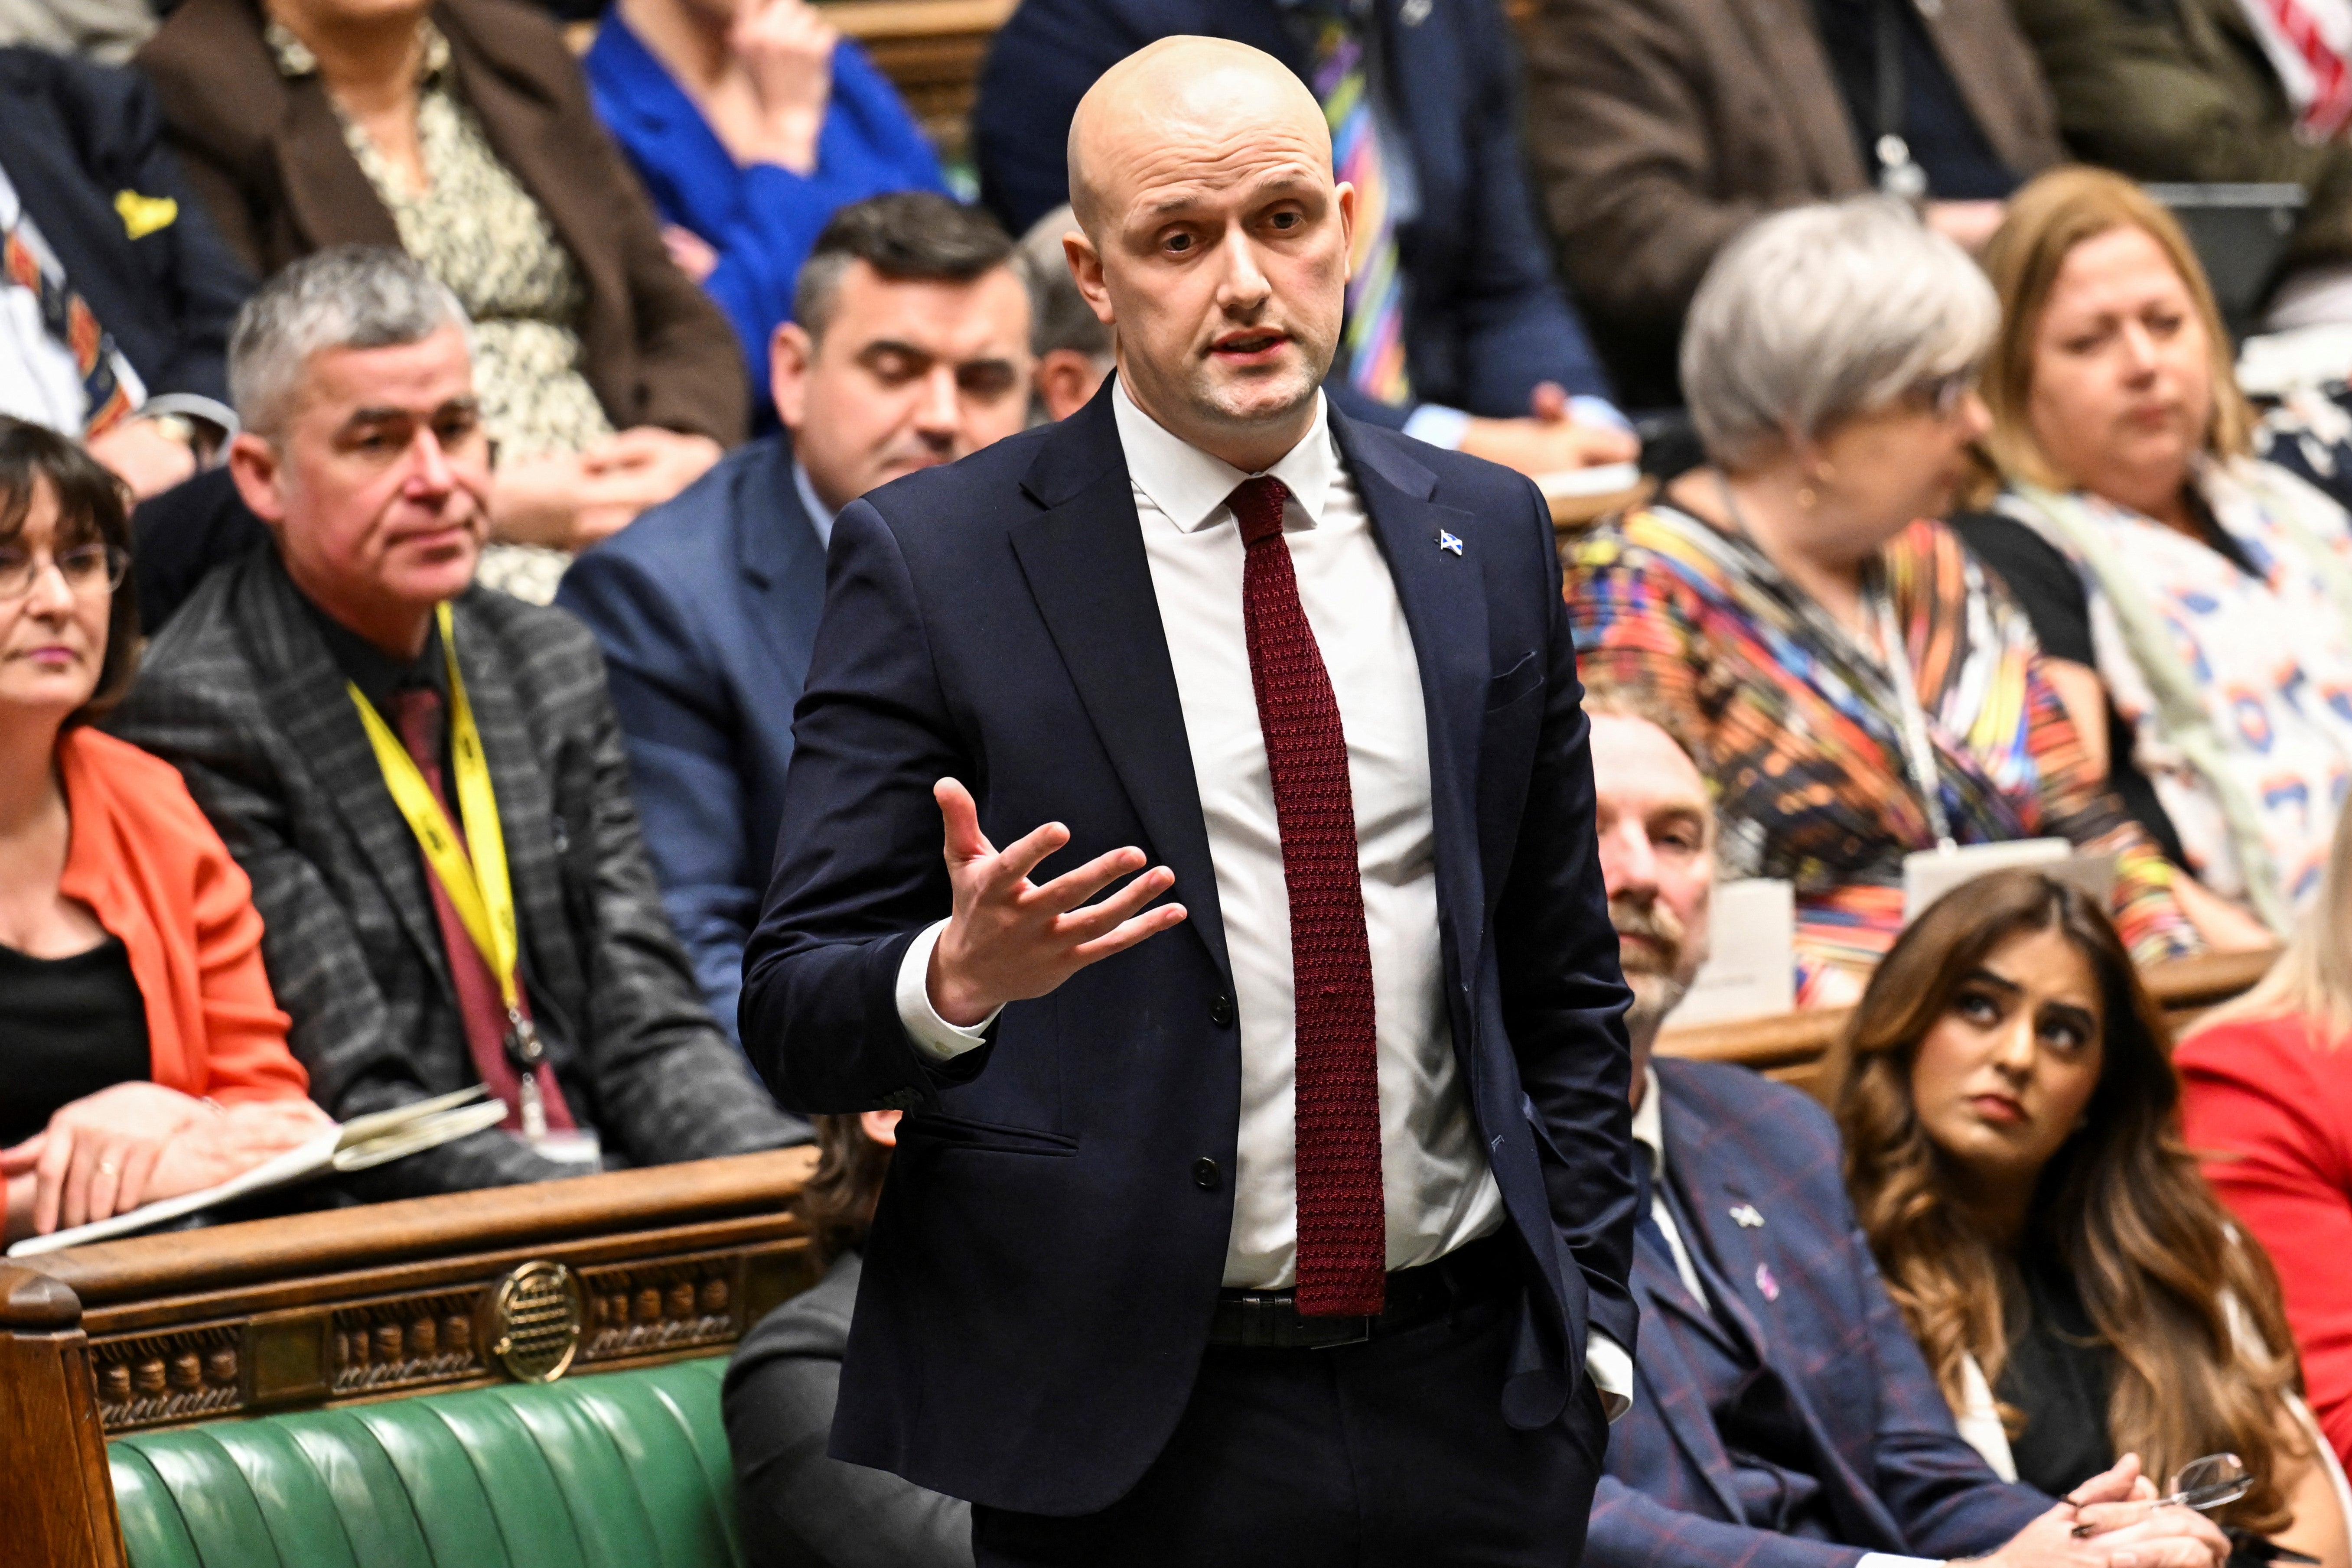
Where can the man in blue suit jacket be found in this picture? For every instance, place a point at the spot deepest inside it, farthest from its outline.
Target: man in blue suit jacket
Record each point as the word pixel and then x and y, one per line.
pixel 1783 1416
pixel 1288 1224
pixel 909 349
pixel 1490 338
pixel 111 216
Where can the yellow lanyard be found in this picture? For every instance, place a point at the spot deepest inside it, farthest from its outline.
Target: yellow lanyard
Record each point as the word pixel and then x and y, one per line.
pixel 476 882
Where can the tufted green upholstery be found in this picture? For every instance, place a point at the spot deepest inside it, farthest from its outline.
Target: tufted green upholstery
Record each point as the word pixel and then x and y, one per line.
pixel 619 1469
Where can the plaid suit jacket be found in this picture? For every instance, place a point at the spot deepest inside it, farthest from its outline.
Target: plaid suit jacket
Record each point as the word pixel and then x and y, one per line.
pixel 241 694
pixel 1902 1479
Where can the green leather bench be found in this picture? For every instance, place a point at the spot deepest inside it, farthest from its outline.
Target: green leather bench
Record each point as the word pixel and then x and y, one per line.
pixel 519 1377
pixel 622 1469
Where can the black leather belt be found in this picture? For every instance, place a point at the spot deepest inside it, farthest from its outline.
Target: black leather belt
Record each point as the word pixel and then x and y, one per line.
pixel 1270 1320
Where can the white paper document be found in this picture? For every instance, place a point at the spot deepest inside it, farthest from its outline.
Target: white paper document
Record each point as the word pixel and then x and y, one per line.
pixel 1928 874
pixel 1752 965
pixel 358 1144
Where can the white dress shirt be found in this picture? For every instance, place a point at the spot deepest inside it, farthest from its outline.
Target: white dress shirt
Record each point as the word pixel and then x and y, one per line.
pixel 1650 1132
pixel 1439 1191
pixel 39 381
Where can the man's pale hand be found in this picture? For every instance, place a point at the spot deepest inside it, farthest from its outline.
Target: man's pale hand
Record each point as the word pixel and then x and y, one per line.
pixel 1549 440
pixel 143 457
pixel 1010 939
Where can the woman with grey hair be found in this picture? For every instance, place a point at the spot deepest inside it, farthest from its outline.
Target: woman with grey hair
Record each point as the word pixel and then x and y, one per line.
pixel 1865 688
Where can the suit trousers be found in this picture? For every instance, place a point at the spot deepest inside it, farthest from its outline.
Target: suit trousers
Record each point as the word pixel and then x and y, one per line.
pixel 1393 1451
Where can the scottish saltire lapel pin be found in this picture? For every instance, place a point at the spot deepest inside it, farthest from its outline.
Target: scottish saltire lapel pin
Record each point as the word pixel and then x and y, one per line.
pixel 1747 1218
pixel 1765 1285
pixel 1450 543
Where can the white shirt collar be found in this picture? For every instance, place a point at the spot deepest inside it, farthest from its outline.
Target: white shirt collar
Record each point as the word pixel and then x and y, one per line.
pixel 820 516
pixel 1650 1123
pixel 1190 486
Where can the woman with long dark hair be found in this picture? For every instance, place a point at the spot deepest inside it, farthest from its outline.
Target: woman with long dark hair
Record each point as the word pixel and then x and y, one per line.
pixel 2011 1127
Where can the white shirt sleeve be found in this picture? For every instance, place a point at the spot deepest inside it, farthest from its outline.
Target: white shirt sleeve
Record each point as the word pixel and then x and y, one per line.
pixel 933 1035
pixel 1613 1372
pixel 1890 1560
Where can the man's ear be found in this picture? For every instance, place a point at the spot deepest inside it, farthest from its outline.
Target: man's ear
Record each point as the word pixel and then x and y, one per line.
pixel 1087 268
pixel 1346 194
pixel 260 476
pixel 791 352
pixel 1067 378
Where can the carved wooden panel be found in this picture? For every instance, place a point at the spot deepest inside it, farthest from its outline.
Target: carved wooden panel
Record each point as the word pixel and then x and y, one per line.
pixel 148 1379
pixel 403 1342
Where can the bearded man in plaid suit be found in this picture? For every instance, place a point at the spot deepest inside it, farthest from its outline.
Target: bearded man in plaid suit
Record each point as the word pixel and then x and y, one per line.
pixel 1782 1417
pixel 425 779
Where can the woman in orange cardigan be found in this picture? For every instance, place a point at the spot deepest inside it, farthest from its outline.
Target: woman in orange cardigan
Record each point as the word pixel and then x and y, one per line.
pixel 141 1055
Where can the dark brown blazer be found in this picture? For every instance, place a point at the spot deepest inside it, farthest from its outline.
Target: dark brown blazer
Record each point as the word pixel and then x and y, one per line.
pixel 1660 128
pixel 267 156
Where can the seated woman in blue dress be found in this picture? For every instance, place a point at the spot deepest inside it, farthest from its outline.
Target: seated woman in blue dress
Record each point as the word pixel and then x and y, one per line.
pixel 751 121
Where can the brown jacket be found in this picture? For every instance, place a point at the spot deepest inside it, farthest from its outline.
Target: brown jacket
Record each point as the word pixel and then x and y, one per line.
pixel 1659 128
pixel 267 156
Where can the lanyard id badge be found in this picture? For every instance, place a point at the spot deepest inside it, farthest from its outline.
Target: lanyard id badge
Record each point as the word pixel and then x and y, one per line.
pixel 472 870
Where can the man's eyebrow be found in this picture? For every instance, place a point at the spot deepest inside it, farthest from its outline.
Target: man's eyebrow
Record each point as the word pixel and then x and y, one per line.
pixel 385 415
pixel 1281 182
pixel 894 346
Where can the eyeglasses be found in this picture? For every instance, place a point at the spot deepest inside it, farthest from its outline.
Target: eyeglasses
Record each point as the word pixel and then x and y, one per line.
pixel 87 568
pixel 1943 394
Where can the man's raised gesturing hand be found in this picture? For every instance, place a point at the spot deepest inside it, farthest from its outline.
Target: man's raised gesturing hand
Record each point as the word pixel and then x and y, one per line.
pixel 1010 939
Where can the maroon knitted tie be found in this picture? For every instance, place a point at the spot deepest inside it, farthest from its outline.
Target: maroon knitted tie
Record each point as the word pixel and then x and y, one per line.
pixel 418 713
pixel 1342 1222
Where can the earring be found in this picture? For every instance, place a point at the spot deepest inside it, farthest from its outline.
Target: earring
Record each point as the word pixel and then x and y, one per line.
pixel 1807 497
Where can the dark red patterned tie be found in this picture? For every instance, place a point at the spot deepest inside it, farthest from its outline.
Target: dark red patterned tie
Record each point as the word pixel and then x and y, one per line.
pixel 1342 1222
pixel 418 713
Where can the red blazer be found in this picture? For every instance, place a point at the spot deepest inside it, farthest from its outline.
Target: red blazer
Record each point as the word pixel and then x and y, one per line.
pixel 145 860
pixel 2268 1107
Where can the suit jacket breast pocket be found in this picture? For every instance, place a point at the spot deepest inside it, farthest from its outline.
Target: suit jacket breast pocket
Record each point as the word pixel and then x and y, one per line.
pixel 1521 679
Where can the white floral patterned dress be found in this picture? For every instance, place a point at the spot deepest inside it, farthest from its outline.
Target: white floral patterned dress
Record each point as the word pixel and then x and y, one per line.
pixel 486 238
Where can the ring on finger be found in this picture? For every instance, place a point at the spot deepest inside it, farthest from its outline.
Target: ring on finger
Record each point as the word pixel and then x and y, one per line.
pixel 108 1168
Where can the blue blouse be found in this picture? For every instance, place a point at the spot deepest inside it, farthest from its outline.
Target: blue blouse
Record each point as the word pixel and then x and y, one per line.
pixel 761 220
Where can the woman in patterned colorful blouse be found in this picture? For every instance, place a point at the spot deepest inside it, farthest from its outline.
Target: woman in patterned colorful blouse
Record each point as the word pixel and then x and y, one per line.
pixel 2197 602
pixel 1830 361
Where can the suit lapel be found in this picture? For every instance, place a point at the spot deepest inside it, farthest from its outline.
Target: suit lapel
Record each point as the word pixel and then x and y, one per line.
pixel 1672 1389
pixel 1085 567
pixel 302 685
pixel 779 556
pixel 1444 593
pixel 1711 1190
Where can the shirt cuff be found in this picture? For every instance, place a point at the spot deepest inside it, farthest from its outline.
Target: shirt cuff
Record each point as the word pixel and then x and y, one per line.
pixel 1438 425
pixel 1612 1371
pixel 1890 1560
pixel 933 1035
pixel 1586 409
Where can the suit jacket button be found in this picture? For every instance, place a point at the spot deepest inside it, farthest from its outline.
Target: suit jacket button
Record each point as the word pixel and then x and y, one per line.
pixel 1221 1010
pixel 1204 1173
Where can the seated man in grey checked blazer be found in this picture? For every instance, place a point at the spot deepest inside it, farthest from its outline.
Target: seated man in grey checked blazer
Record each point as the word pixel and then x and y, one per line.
pixel 1782 1417
pixel 425 779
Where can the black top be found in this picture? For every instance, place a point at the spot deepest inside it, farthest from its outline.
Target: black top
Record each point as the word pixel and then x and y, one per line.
pixel 2044 584
pixel 2058 1376
pixel 379 676
pixel 75 1025
pixel 1946 142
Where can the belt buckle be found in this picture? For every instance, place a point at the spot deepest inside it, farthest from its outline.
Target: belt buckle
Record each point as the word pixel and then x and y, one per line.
pixel 1362 1335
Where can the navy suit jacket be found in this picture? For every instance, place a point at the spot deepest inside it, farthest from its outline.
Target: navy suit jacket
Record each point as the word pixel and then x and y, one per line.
pixel 73 136
pixel 1044 1266
pixel 1902 1478
pixel 706 607
pixel 1486 316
